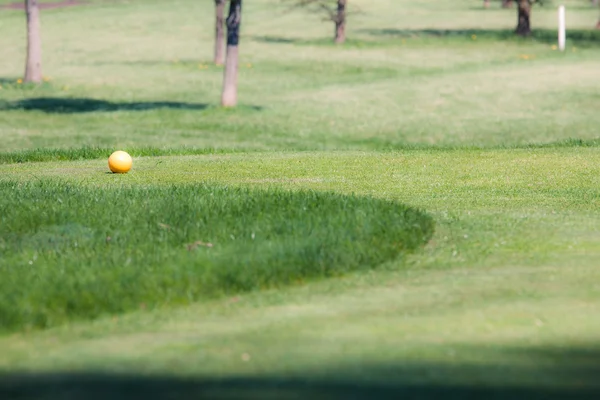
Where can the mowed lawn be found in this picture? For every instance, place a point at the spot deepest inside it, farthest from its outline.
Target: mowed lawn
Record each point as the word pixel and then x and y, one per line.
pixel 421 73
pixel 431 105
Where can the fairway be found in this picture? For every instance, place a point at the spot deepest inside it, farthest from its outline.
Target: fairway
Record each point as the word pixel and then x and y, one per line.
pixel 414 214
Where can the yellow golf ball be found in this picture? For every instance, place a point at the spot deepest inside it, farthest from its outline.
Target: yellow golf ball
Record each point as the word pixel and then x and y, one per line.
pixel 119 162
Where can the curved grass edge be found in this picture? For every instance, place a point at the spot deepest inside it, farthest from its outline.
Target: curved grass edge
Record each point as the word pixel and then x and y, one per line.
pixel 78 253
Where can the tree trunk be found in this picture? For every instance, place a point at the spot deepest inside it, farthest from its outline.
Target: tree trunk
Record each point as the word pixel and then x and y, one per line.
pixel 229 97
pixel 33 66
pixel 340 22
pixel 219 31
pixel 486 3
pixel 507 3
pixel 524 14
pixel 598 24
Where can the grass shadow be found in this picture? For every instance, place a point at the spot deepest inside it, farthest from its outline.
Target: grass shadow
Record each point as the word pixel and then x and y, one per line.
pixel 7 81
pixel 57 105
pixel 573 376
pixel 95 153
pixel 322 42
pixel 277 39
pixel 386 36
pixel 549 36
pixel 44 6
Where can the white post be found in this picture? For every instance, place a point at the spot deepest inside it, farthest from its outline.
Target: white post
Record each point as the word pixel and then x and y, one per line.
pixel 561 28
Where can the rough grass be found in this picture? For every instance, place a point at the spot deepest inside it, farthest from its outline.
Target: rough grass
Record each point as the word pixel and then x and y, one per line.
pixel 72 252
pixel 90 153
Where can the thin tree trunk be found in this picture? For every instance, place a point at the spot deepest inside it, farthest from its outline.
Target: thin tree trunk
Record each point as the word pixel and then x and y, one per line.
pixel 598 24
pixel 340 22
pixel 219 31
pixel 229 97
pixel 507 3
pixel 33 65
pixel 524 14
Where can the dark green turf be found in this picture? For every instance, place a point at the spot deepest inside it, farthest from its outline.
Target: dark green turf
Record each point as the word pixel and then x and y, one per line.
pixel 94 153
pixel 74 252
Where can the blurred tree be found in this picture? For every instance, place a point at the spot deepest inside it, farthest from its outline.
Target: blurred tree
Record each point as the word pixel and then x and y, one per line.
pixel 33 64
pixel 219 31
pixel 336 11
pixel 229 96
pixel 524 17
pixel 340 22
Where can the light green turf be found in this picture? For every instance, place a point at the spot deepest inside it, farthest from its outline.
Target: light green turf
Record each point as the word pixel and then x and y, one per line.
pixel 508 282
pixel 393 84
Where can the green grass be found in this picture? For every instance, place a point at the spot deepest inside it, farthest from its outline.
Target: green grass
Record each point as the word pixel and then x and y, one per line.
pixel 91 153
pixel 413 76
pixel 503 296
pixel 86 252
pixel 432 105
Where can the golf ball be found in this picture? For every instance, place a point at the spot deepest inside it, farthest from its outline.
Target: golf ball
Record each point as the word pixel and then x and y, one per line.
pixel 119 162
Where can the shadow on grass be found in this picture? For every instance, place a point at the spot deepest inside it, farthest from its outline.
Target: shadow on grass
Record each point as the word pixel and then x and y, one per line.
pixel 83 105
pixel 94 153
pixel 277 39
pixel 44 6
pixel 581 37
pixel 537 374
pixel 7 81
